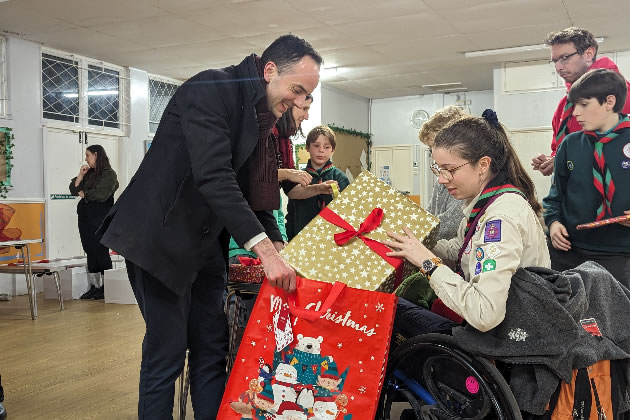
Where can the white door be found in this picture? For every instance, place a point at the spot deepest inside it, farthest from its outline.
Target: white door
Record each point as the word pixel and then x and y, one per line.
pixel 63 156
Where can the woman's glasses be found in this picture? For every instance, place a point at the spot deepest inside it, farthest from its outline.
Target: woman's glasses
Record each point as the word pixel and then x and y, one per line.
pixel 448 174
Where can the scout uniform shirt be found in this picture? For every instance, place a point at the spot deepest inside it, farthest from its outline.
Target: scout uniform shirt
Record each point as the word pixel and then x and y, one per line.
pixel 508 236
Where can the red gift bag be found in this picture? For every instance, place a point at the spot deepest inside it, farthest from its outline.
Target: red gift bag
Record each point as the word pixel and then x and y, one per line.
pixel 317 354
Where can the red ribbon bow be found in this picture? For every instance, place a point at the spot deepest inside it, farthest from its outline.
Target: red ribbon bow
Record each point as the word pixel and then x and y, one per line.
pixel 248 261
pixel 370 223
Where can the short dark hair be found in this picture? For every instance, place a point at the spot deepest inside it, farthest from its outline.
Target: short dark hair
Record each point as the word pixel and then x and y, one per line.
pixel 321 130
pixel 600 83
pixel 288 50
pixel 581 38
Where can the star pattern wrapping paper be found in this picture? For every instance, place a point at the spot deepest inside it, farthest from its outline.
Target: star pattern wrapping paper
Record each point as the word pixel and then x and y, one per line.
pixel 315 255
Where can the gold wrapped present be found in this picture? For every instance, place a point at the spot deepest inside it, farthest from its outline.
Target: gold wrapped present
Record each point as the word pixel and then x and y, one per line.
pixel 343 243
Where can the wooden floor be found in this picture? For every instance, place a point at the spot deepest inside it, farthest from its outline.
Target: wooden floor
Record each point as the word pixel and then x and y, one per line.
pixel 82 363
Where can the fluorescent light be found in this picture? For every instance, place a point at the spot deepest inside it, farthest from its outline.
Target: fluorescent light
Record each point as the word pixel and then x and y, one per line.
pixel 442 85
pixel 458 89
pixel 513 50
pixel 92 92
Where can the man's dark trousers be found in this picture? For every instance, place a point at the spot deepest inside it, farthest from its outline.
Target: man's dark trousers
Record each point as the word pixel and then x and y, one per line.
pixel 174 323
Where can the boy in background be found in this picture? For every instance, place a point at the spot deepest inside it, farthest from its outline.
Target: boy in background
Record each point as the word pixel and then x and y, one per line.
pixel 305 202
pixel 591 178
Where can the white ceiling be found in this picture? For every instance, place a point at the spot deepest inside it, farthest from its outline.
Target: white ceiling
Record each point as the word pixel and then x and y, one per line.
pixel 383 48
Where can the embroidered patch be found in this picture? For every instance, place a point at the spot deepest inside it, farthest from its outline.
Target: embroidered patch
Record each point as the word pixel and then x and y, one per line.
pixel 517 334
pixel 590 325
pixel 570 165
pixel 625 164
pixel 468 247
pixel 492 251
pixel 479 254
pixel 492 232
pixel 489 265
pixel 478 267
pixel 626 150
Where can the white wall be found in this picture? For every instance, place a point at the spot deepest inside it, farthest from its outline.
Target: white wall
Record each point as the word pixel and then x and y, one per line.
pixel 524 109
pixel 390 118
pixel 132 147
pixel 24 110
pixel 344 110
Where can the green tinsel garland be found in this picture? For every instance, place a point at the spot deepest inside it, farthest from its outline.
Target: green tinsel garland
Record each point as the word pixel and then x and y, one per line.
pixel 6 149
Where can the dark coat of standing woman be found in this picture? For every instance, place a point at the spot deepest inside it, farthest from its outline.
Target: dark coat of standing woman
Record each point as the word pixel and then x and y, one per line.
pixel 95 184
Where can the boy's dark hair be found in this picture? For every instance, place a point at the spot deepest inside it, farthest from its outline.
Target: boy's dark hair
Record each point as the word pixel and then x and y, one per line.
pixel 286 124
pixel 323 130
pixel 288 50
pixel 581 38
pixel 600 83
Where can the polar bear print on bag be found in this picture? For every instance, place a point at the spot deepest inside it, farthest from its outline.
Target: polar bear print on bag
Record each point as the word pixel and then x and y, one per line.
pixel 307 359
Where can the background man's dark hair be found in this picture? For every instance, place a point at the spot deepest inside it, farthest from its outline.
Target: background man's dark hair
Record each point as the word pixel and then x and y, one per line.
pixel 600 83
pixel 581 38
pixel 288 50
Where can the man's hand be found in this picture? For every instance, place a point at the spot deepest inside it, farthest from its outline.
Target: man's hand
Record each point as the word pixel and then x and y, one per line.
pixel 538 160
pixel 278 272
pixel 294 175
pixel 278 245
pixel 626 223
pixel 81 194
pixel 326 186
pixel 559 236
pixel 547 167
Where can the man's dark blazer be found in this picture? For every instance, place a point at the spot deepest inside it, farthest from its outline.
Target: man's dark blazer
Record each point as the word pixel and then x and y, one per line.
pixel 193 181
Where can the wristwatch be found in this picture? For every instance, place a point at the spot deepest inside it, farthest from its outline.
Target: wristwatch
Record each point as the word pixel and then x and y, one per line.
pixel 428 266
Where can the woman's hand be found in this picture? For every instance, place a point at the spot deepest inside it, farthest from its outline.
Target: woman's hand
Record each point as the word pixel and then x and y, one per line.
pixel 83 170
pixel 81 194
pixel 626 223
pixel 409 247
pixel 294 175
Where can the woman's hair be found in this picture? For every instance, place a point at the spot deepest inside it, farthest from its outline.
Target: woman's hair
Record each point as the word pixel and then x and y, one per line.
pixel 438 121
pixel 472 138
pixel 102 161
pixel 286 124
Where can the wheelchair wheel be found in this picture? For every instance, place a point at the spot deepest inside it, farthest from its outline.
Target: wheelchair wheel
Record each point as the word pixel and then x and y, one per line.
pixel 446 382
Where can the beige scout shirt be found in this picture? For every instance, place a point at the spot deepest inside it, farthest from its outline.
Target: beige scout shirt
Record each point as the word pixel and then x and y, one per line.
pixel 508 236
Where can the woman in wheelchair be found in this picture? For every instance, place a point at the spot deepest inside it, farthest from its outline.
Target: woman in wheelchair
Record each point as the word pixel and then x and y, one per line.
pixel 433 373
pixel 502 232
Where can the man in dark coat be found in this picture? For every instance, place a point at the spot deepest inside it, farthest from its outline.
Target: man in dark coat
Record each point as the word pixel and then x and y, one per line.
pixel 211 172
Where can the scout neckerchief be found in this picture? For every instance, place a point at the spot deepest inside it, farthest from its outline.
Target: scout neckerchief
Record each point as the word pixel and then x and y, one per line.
pixel 317 175
pixel 602 179
pixel 563 129
pixel 495 188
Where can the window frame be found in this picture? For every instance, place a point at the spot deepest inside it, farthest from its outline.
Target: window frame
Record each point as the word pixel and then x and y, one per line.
pixel 4 85
pixel 162 79
pixel 83 123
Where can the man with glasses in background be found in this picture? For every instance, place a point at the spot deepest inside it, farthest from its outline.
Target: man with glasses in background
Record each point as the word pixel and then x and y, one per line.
pixel 573 52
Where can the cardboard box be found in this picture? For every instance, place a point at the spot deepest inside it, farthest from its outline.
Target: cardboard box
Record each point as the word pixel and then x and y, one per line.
pixel 74 283
pixel 117 287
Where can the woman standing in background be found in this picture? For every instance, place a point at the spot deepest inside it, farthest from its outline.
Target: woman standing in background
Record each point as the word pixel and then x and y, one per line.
pixel 95 184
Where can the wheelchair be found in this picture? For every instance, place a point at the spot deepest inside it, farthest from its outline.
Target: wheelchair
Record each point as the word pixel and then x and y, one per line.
pixel 436 380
